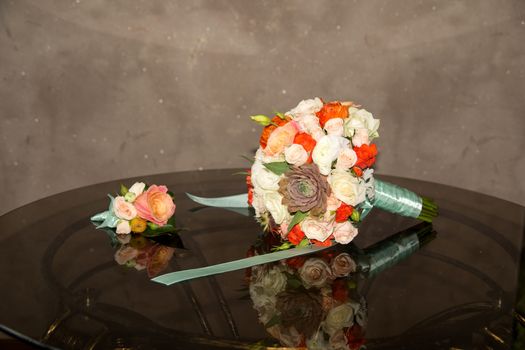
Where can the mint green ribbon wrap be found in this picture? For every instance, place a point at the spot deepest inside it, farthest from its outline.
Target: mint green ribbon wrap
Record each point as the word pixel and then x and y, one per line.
pixel 184 275
pixel 390 253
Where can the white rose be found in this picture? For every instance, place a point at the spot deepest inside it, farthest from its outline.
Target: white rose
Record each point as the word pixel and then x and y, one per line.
pixel 343 265
pixel 273 202
pixel 334 127
pixel 346 187
pixel 304 107
pixel 344 232
pixel 346 159
pixel 258 202
pixel 361 119
pixel 315 272
pixel 316 229
pixel 137 188
pixel 288 336
pixel 369 183
pixel 326 151
pixel 263 303
pixel 338 318
pixel 272 282
pixel 263 178
pixel 296 155
pixel 360 138
pixel 123 227
pixel 310 124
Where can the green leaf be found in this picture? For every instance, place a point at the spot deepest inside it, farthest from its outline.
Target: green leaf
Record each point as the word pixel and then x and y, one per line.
pixel 276 319
pixel 245 173
pixel 280 115
pixel 123 190
pixel 297 218
pixel 250 159
pixel 304 243
pixel 284 246
pixel 294 283
pixel 278 168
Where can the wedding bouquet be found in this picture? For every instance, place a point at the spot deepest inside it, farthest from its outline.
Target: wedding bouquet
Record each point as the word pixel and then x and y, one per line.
pixel 312 179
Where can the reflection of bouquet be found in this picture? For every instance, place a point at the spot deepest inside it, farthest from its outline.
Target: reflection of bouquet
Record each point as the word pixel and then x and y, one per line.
pixel 141 209
pixel 312 178
pixel 142 253
pixel 310 301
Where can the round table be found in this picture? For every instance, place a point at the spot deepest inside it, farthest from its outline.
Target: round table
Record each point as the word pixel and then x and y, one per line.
pixel 62 288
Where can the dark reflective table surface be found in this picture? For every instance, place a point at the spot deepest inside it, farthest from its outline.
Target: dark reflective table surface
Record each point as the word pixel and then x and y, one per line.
pixel 61 285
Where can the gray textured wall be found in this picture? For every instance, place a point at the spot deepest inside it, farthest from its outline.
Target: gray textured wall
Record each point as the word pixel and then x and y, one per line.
pixel 98 90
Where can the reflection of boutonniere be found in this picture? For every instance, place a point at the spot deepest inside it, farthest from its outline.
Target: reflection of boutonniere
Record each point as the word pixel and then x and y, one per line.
pixel 141 224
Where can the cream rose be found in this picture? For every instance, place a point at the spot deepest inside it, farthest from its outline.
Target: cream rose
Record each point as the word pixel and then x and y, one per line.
pixel 326 151
pixel 361 119
pixel 338 318
pixel 346 159
pixel 137 188
pixel 346 187
pixel 344 232
pixel 123 210
pixel 343 265
pixel 273 202
pixel 360 138
pixel 315 272
pixel 273 282
pixel 305 107
pixel 296 155
pixel 263 178
pixel 334 127
pixel 258 202
pixel 123 227
pixel 317 229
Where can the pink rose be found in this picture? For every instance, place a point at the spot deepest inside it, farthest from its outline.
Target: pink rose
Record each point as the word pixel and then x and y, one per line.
pixel 280 138
pixel 317 229
pixel 343 265
pixel 346 159
pixel 334 127
pixel 344 232
pixel 123 210
pixel 315 273
pixel 155 205
pixel 332 203
pixel 360 138
pixel 125 254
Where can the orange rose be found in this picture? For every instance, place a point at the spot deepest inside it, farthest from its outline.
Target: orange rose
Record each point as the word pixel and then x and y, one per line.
pixel 155 205
pixel 280 138
pixel 332 110
pixel 270 128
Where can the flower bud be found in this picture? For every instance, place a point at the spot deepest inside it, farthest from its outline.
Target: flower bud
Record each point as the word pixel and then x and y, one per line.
pixel 261 119
pixel 130 197
pixel 356 216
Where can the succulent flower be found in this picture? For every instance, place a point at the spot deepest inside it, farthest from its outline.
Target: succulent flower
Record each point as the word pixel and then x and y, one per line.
pixel 301 309
pixel 305 189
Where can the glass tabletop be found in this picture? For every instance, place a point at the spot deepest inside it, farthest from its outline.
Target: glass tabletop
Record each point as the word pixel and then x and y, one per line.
pixel 62 285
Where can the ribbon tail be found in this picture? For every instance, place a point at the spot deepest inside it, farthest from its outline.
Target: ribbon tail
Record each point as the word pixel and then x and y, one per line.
pixel 235 201
pixel 184 275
